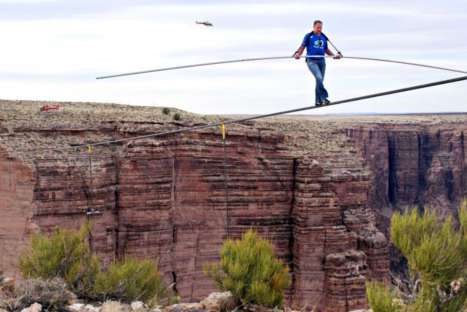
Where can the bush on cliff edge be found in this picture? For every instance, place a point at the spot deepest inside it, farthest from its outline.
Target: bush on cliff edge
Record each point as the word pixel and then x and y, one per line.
pixel 64 254
pixel 437 257
pixel 52 295
pixel 381 298
pixel 251 272
pixel 130 280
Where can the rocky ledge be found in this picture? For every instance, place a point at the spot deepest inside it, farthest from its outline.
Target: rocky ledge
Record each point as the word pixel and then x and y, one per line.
pixel 215 302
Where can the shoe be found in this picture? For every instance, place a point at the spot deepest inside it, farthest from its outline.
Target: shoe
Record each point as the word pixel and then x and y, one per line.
pixel 326 102
pixel 318 104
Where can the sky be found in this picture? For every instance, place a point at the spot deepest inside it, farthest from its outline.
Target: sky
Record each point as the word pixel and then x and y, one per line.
pixel 53 50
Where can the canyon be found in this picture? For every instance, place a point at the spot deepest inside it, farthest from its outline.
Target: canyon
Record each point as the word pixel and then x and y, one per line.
pixel 321 189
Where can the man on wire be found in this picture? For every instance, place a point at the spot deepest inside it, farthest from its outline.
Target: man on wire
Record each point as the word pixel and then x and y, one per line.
pixel 316 44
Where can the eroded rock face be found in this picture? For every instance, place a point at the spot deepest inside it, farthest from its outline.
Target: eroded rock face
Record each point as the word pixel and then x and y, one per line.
pixel 321 189
pixel 180 199
pixel 176 199
pixel 16 207
pixel 414 166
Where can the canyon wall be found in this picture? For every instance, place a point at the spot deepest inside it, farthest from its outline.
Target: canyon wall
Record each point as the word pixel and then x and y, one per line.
pixel 413 166
pixel 175 200
pixel 321 190
pixel 16 192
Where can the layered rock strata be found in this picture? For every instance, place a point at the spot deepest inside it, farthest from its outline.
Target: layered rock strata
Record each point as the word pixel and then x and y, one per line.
pixel 316 188
pixel 414 166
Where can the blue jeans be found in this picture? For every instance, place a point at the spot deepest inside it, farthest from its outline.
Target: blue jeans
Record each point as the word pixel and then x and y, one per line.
pixel 318 69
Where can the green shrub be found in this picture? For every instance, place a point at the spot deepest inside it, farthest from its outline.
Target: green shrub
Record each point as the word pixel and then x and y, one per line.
pixel 437 257
pixel 166 111
pixel 131 280
pixel 52 295
pixel 177 116
pixel 381 298
pixel 251 272
pixel 463 227
pixel 64 254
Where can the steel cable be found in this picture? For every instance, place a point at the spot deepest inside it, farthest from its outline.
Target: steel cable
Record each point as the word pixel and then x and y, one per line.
pixel 295 110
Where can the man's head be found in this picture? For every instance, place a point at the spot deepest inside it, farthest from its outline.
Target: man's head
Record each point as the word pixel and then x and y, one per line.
pixel 317 26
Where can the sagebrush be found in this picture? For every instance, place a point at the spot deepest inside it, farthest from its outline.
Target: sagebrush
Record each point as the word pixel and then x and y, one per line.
pixel 130 280
pixel 52 295
pixel 436 252
pixel 437 258
pixel 65 254
pixel 251 272
pixel 381 298
pixel 177 116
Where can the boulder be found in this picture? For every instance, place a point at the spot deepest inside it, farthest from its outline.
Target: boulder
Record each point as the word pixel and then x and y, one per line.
pixel 90 308
pixel 115 306
pixel 35 307
pixel 219 301
pixel 76 307
pixel 186 307
pixel 7 285
pixel 138 306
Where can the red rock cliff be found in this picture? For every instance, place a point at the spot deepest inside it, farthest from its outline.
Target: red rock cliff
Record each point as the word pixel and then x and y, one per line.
pixel 310 186
pixel 414 165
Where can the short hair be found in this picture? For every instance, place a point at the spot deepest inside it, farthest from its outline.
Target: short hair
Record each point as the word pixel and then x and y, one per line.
pixel 317 22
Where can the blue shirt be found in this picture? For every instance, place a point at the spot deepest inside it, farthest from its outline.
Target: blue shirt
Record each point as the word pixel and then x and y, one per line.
pixel 315 44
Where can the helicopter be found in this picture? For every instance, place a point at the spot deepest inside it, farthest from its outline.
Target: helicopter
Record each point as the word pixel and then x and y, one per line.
pixel 205 23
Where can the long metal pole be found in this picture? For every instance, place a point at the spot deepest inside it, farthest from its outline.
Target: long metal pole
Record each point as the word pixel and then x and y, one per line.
pixel 335 48
pixel 195 65
pixel 260 59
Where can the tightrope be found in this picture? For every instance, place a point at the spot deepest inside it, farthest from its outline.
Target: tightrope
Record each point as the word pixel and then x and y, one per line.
pixel 260 59
pixel 295 110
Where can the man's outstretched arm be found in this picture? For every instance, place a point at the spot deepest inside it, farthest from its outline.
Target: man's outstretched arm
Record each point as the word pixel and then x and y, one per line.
pixel 330 53
pixel 299 52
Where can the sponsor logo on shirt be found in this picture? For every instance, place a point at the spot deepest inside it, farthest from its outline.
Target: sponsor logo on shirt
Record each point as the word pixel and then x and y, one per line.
pixel 318 44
